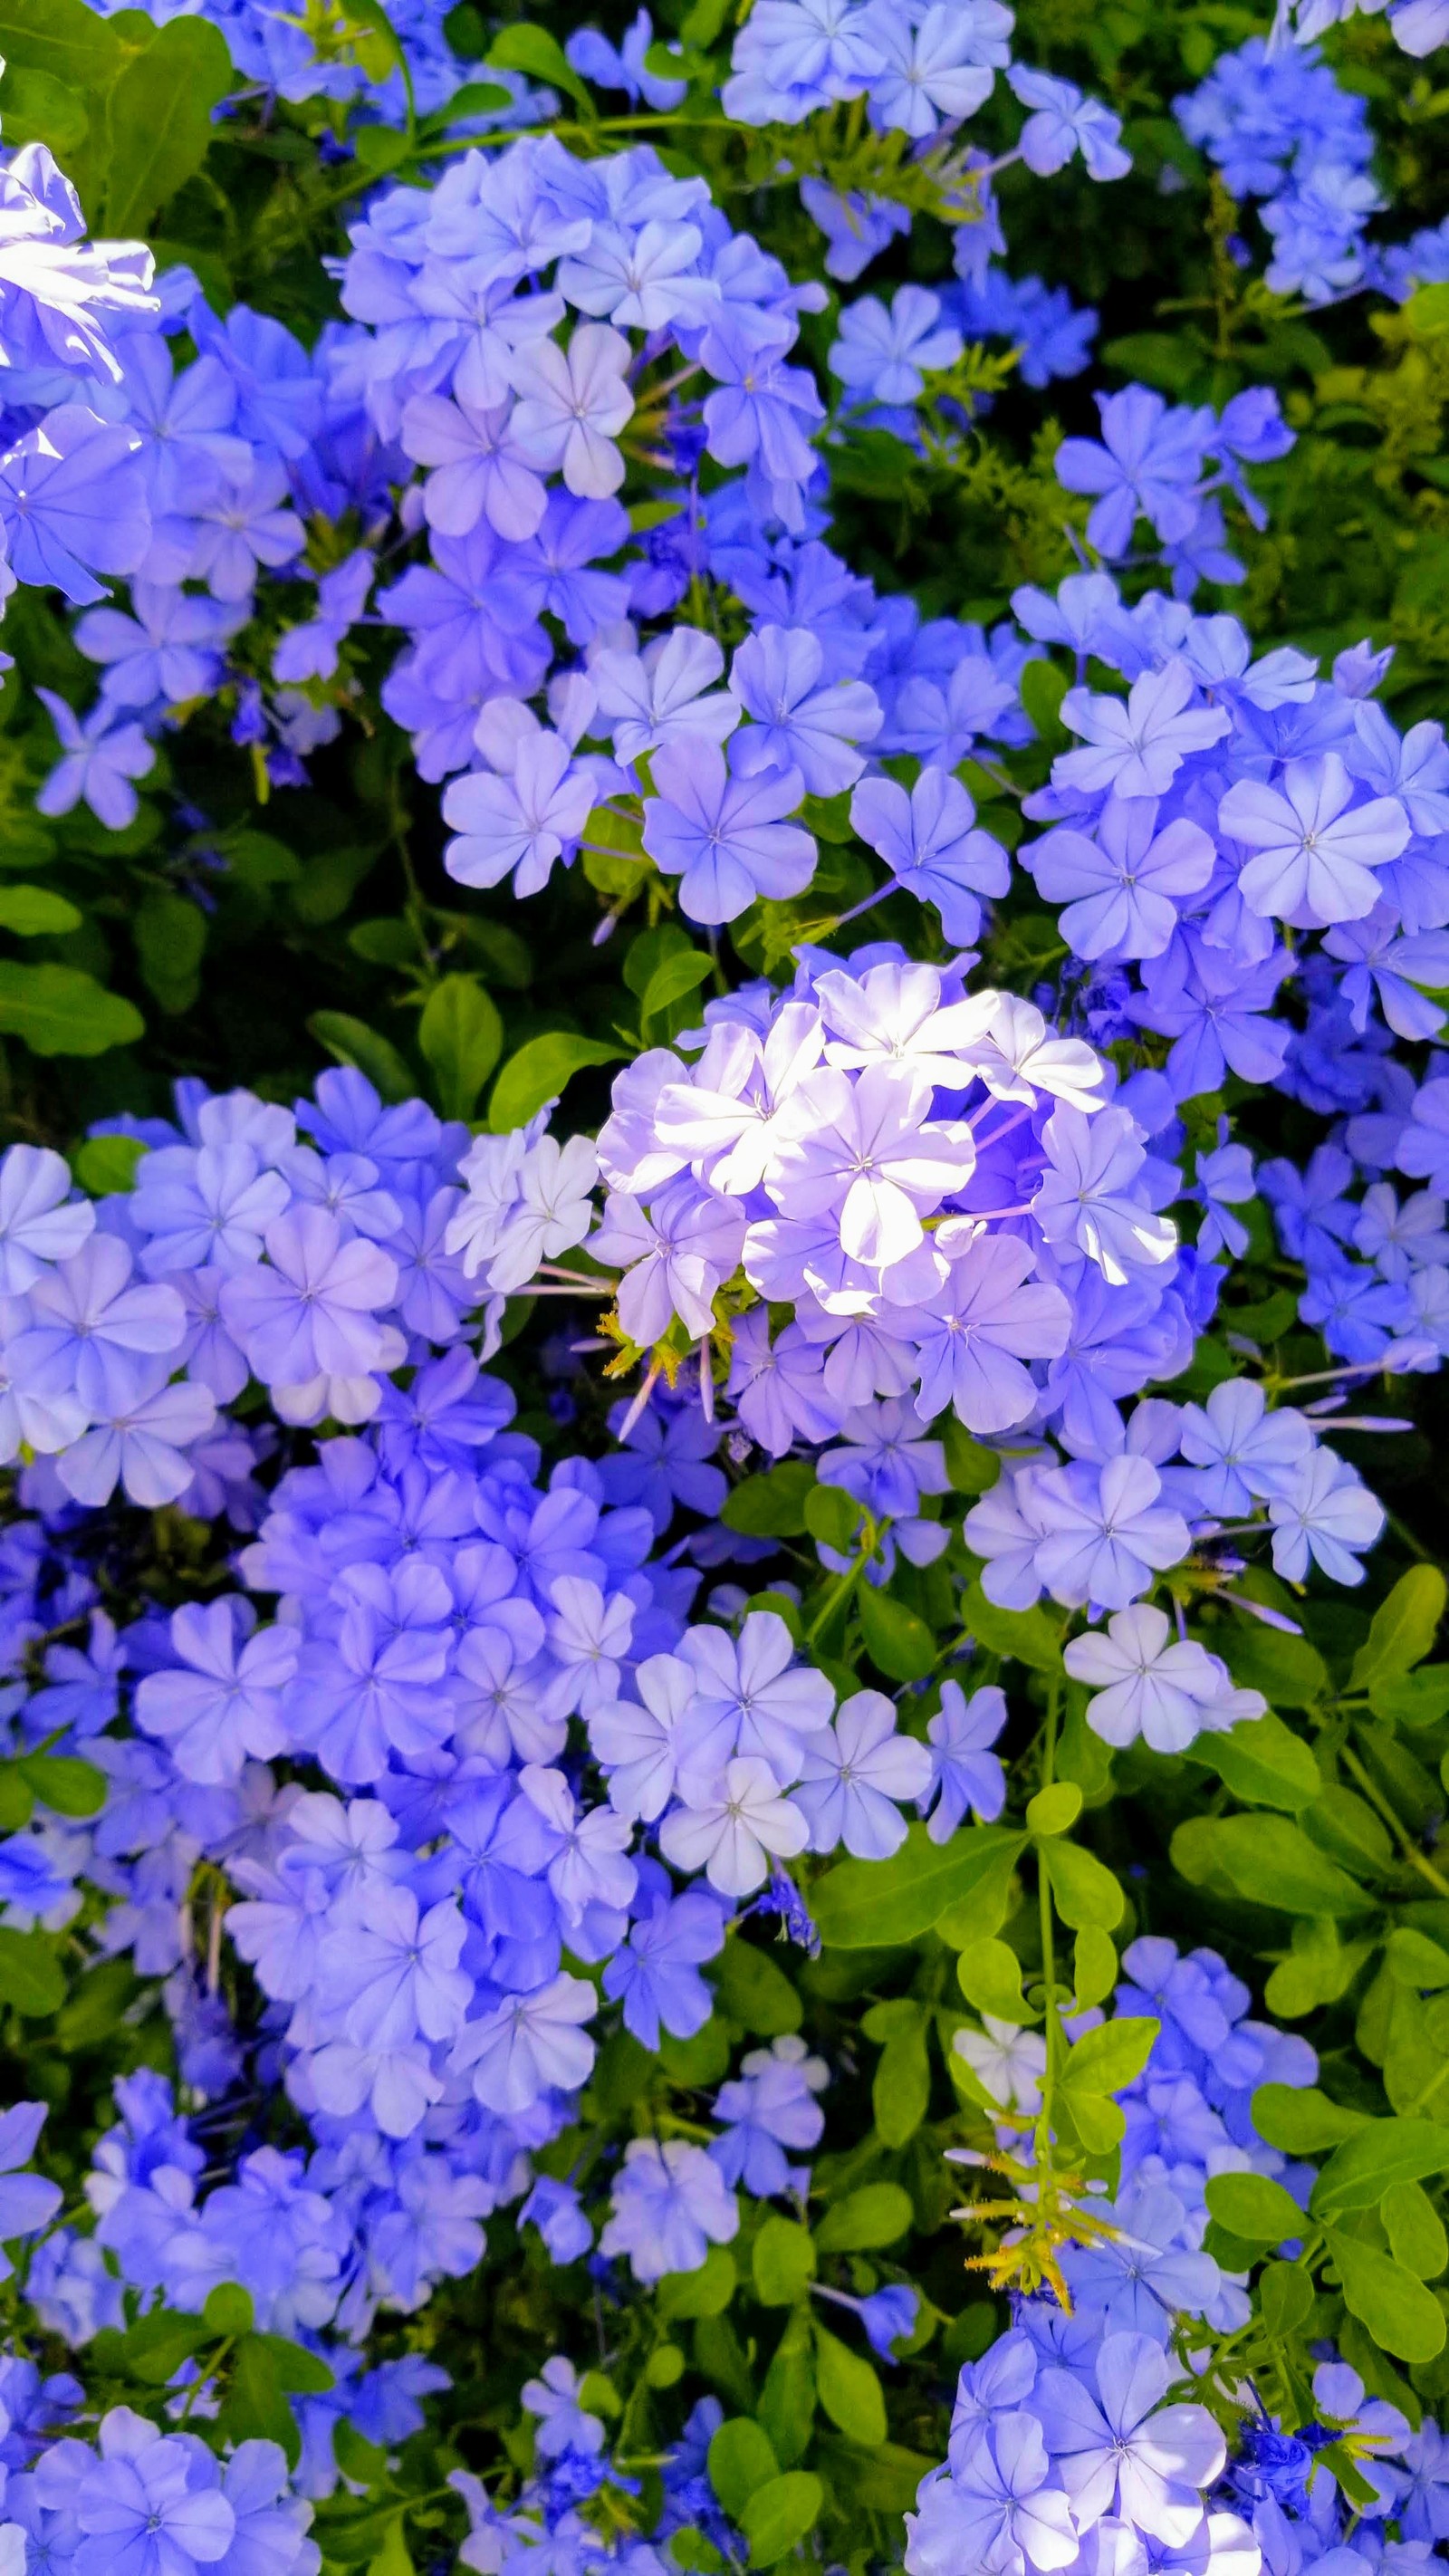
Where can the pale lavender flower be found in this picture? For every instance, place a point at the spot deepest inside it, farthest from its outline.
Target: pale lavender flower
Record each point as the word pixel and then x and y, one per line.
pixel 99 761
pixel 724 837
pixel 670 2204
pixel 1317 852
pixel 1137 747
pixel 964 1771
pixel 522 822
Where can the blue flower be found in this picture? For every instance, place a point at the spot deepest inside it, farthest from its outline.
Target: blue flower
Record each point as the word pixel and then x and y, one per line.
pixel 724 837
pixel 27 2202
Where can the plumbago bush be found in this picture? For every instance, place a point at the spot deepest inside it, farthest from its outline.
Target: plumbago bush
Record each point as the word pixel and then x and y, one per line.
pixel 724 1260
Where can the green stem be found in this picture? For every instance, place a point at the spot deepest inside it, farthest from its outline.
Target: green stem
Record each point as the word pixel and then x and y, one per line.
pixel 1052 2023
pixel 844 1584
pixel 1400 1831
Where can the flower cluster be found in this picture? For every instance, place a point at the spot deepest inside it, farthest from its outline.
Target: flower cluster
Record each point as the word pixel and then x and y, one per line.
pixel 1078 2431
pixel 330 53
pixel 962 1211
pixel 1152 462
pixel 1224 807
pixel 1277 124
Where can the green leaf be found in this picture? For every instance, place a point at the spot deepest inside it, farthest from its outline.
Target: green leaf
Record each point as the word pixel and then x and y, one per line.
pixel 683 971
pixel 259 859
pixel 1029 1635
pixel 1155 358
pixel 1403 1630
pixel 169 932
pixel 989 1975
pixel 160 121
pixel 293 2367
pixel 1094 1966
pixel 1104 2060
pixel 352 2539
pixel 771 1505
pixel 1362 2167
pixel 93 2011
pixel 1287 1670
pixel 1269 1859
pixel 879 2213
pixel 1043 687
pixel 58 1010
pixel 1415 1961
pixel 154 2349
pixel 754 1990
pixel 17 1798
pixel 1415 2230
pixel 1302 2121
pixel 849 2391
pixel 900 2092
pixel 61 38
pixel 832 1517
pixel 1428 311
pixel 1347 1828
pixel 882 2481
pixel 228 2310
pixel 787 2399
pixel 782 2263
pixel 897 1642
pixel 263 2368
pixel 1285 2297
pixel 741 2461
pixel 32 912
pixel 380 148
pixel 506 959
pixel 980 1913
pixel 649 948
pixel 972 1469
pixel 38 108
pixel 777 2516
pixel 828 817
pixel 362 2460
pixel 878 1904
pixel 1402 2316
pixel 1264 1762
pixel 1086 1894
pixel 475 98
pixel 31 1980
pixel 328 882
pixel 65 1784
pixel 1254 2208
pixel 540 56
pixel 542 1070
pixel 1054 1810
pixel 1420 1699
pixel 689 2549
pixel 106 1165
pixel 1101 2123
pixel 352 1042
pixel 461 1036
pixel 704 2293
pixel 380 50
pixel 394 2558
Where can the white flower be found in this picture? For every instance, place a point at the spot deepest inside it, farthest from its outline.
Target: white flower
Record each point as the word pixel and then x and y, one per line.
pixel 854 1772
pixel 529 2045
pixel 728 1833
pixel 1147 1687
pixel 575 401
pixel 1008 2063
